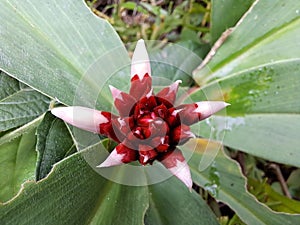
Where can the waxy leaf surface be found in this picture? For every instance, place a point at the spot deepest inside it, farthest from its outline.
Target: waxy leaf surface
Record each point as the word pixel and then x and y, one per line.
pixel 19 104
pixel 54 143
pixel 231 11
pixel 224 180
pixel 73 182
pixel 257 71
pixel 17 159
pixel 58 47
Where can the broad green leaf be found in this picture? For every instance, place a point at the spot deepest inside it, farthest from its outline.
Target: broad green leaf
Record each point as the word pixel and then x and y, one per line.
pixel 263 118
pixel 266 36
pixel 17 159
pixel 54 143
pixel 224 180
pixel 19 104
pixel 172 203
pixel 257 71
pixel 74 193
pixel 225 14
pixel 173 62
pixel 74 184
pixel 60 49
pixel 293 183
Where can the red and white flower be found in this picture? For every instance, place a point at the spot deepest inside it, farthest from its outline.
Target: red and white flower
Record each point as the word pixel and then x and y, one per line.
pixel 149 126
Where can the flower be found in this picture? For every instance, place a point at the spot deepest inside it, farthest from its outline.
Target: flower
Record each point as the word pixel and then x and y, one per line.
pixel 149 127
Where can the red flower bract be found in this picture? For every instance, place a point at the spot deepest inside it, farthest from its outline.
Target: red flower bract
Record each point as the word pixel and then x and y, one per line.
pixel 149 126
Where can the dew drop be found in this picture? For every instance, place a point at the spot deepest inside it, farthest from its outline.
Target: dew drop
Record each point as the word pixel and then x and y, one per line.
pixel 212 189
pixel 251 92
pixel 214 185
pixel 267 78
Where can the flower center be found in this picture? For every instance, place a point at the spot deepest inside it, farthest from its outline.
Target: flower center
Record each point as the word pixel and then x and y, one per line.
pixel 152 128
pixel 149 115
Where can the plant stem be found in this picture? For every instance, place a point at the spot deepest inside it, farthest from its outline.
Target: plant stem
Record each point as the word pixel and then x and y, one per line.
pixel 281 180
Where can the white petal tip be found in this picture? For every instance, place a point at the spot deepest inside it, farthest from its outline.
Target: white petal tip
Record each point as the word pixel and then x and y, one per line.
pixel 81 117
pixel 116 93
pixel 190 134
pixel 109 163
pixel 141 41
pixel 64 113
pixel 106 164
pixel 114 159
pixel 149 93
pixel 101 166
pixel 182 172
pixel 112 88
pixel 175 85
pixel 140 64
pixel 207 108
pixel 58 111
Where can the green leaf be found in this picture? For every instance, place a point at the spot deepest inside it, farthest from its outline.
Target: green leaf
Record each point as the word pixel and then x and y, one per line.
pixel 263 118
pixel 74 184
pixel 78 195
pixel 60 49
pixel 156 10
pixel 19 104
pixel 133 6
pixel 190 40
pixel 230 11
pixel 54 143
pixel 172 203
pixel 265 193
pixel 265 37
pixel 173 62
pixel 223 179
pixel 258 74
pixel 17 159
pixel 294 186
